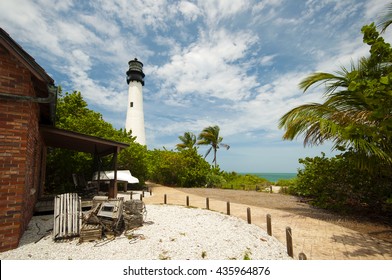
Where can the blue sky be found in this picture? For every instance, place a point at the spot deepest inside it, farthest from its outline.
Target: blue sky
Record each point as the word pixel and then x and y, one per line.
pixel 235 64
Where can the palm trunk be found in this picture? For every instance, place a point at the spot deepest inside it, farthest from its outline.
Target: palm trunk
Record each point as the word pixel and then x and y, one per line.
pixel 215 157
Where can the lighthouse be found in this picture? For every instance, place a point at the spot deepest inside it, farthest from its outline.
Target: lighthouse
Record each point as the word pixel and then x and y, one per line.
pixel 135 114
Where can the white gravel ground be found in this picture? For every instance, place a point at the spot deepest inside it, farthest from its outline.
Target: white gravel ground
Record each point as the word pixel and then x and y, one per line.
pixel 169 232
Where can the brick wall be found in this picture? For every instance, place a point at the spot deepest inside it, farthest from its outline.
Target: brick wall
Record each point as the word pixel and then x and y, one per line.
pixel 20 151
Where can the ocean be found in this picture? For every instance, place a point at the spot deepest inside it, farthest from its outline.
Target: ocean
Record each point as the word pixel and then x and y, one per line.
pixel 273 177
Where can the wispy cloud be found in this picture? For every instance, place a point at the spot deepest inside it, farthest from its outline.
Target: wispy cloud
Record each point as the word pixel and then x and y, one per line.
pixel 236 64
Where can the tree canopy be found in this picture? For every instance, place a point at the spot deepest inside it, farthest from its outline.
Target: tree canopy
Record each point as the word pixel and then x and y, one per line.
pixel 72 113
pixel 188 141
pixel 356 114
pixel 210 136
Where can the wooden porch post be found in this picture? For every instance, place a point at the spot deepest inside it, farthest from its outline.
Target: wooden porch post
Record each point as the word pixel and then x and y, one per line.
pixel 113 184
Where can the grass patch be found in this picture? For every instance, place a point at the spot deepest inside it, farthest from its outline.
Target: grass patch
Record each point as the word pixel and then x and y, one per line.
pixel 247 255
pixel 245 182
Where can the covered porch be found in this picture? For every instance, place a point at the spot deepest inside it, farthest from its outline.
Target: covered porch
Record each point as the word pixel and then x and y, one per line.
pixel 98 147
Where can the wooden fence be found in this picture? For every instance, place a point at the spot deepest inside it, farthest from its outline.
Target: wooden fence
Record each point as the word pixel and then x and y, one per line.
pixel 289 236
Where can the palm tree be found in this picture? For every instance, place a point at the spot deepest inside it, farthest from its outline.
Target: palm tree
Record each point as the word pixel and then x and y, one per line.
pixel 354 115
pixel 188 141
pixel 210 136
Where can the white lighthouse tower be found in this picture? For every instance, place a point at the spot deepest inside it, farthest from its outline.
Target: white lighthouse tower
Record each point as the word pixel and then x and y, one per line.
pixel 135 114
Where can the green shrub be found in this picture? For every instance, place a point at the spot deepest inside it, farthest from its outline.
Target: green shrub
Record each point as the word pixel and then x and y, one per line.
pixel 183 169
pixel 215 180
pixel 339 184
pixel 135 159
pixel 244 182
pixel 286 182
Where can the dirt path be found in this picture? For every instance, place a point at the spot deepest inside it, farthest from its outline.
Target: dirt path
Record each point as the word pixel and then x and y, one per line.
pixel 292 204
pixel 317 233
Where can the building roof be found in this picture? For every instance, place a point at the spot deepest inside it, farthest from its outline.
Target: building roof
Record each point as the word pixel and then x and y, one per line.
pixel 12 46
pixel 44 89
pixel 61 138
pixel 55 137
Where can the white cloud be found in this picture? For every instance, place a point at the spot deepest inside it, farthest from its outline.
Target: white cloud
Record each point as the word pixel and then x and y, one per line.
pixel 267 60
pixel 189 10
pixel 262 114
pixel 56 5
pixel 140 14
pixel 102 25
pixel 216 10
pixel 374 8
pixel 28 21
pixel 207 67
pixel 232 63
pixel 80 58
pixel 75 34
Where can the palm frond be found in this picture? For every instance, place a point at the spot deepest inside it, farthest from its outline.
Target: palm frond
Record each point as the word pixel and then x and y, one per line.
pixel 208 152
pixel 331 81
pixel 386 18
pixel 225 146
pixel 210 136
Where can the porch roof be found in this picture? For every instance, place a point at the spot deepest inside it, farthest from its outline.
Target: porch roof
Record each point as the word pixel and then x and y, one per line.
pixel 61 138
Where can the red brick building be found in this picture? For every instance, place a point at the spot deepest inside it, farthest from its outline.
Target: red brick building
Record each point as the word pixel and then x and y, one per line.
pixel 27 114
pixel 27 99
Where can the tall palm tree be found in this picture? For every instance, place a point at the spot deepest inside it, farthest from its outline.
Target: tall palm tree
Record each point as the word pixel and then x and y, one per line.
pixel 188 141
pixel 350 116
pixel 210 136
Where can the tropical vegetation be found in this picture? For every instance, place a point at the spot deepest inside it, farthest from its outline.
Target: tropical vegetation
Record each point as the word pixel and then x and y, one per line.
pixel 386 18
pixel 72 113
pixel 356 114
pixel 356 117
pixel 183 168
pixel 210 137
pixel 188 141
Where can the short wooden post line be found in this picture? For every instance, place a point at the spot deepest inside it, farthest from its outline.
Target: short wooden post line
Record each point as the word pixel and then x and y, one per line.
pixel 269 227
pixel 248 215
pixel 141 197
pixel 208 203
pixel 165 199
pixel 289 241
pixel 228 207
pixel 187 201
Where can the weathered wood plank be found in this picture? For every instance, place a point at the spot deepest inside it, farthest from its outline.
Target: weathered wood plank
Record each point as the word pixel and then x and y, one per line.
pixel 67 215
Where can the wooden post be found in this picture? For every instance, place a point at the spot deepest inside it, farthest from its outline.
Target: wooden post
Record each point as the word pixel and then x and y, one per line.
pixel 112 189
pixel 187 201
pixel 150 191
pixel 131 195
pixel 302 256
pixel 143 193
pixel 270 189
pixel 269 227
pixel 165 199
pixel 141 197
pixel 208 203
pixel 113 184
pixel 228 207
pixel 248 215
pixel 289 240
